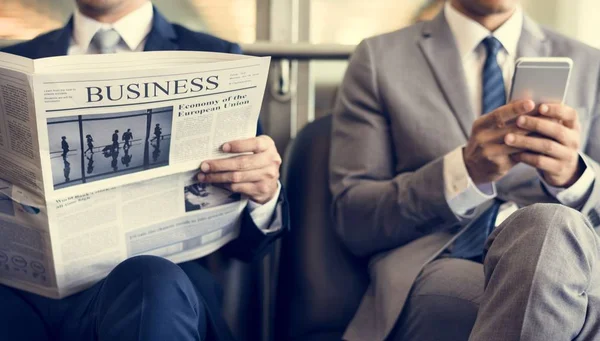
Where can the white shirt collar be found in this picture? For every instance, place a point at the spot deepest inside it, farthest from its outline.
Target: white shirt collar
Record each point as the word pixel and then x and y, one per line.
pixel 468 33
pixel 133 28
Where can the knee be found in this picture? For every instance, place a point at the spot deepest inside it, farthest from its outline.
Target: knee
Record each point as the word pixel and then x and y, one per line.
pixel 443 301
pixel 441 308
pixel 156 278
pixel 530 230
pixel 447 289
pixel 148 295
pixel 544 218
pixel 430 311
pixel 548 213
pixel 150 267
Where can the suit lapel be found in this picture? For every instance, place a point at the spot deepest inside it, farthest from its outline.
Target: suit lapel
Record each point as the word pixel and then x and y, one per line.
pixel 439 48
pixel 533 42
pixel 162 37
pixel 58 43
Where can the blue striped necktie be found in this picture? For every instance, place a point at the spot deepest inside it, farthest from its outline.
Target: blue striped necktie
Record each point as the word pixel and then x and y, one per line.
pixel 470 244
pixel 494 91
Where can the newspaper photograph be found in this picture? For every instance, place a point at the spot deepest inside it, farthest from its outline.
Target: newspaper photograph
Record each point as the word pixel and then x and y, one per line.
pixel 110 147
pixel 109 172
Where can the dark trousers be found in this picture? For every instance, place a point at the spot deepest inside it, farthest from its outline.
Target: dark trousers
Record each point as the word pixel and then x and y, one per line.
pixel 144 298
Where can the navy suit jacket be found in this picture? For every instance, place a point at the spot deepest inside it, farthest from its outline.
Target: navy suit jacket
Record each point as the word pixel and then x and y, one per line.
pixel 165 36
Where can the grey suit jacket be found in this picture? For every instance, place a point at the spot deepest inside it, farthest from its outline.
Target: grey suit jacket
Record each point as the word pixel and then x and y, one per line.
pixel 402 107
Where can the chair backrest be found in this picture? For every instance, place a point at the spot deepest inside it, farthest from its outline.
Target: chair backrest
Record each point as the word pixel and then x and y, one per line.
pixel 321 282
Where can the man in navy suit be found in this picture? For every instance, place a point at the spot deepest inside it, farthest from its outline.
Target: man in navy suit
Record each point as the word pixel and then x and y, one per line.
pixel 149 298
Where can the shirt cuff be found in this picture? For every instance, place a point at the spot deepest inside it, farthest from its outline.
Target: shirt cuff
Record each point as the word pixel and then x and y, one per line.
pixel 461 193
pixel 262 214
pixel 576 195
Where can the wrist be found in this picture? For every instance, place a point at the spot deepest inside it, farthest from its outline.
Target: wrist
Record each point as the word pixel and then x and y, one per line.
pixel 266 193
pixel 261 200
pixel 471 170
pixel 575 175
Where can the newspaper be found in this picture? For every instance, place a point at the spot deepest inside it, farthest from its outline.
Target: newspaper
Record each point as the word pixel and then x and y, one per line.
pixel 99 156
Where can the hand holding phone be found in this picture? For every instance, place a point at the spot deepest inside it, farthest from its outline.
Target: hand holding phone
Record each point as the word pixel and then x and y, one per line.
pixel 546 137
pixel 549 137
pixel 542 80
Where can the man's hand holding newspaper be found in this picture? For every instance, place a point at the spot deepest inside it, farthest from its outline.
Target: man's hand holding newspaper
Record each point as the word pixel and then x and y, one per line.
pixel 255 174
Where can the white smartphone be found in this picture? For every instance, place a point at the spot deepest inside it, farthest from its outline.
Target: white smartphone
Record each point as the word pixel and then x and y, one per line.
pixel 543 80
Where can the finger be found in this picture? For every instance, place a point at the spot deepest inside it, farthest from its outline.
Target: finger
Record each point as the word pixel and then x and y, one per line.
pixel 560 112
pixel 539 145
pixel 237 163
pixel 493 151
pixel 497 135
pixel 540 162
pixel 263 174
pixel 503 115
pixel 549 128
pixel 257 144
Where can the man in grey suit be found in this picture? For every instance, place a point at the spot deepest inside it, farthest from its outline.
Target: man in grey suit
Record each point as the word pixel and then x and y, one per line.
pixel 426 151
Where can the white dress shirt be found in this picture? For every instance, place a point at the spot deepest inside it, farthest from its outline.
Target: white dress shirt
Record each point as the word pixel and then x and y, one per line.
pixel 462 194
pixel 133 29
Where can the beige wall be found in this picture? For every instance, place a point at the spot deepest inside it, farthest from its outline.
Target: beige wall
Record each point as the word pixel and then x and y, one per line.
pixel 579 19
pixel 543 11
pixel 583 20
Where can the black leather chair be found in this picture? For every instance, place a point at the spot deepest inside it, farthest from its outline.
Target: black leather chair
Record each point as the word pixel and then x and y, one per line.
pixel 247 292
pixel 240 292
pixel 320 282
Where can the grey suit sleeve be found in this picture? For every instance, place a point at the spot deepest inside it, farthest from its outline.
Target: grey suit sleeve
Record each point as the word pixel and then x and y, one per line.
pixel 591 208
pixel 375 208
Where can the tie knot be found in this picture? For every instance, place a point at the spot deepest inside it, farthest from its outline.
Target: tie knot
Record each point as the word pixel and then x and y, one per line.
pixel 492 45
pixel 106 41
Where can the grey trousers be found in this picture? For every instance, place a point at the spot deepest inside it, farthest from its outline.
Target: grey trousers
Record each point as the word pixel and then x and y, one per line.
pixel 540 281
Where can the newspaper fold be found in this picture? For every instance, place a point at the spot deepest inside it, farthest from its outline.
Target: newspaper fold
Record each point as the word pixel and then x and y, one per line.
pixel 98 157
